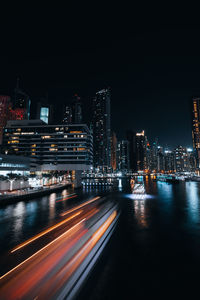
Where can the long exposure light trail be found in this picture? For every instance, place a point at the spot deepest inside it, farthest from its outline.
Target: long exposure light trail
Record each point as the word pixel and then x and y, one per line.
pixel 79 206
pixel 60 279
pixel 62 235
pixel 45 232
pixel 69 197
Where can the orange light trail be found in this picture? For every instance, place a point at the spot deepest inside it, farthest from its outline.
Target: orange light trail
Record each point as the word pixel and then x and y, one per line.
pixel 45 232
pixel 23 262
pixel 64 199
pixel 64 274
pixel 78 258
pixel 79 206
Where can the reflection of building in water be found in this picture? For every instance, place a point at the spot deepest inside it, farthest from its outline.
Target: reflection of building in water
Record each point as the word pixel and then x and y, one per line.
pixel 193 200
pixel 140 213
pixel 52 199
pixel 18 215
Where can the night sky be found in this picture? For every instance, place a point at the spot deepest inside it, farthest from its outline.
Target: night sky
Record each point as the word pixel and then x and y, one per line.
pixel 153 72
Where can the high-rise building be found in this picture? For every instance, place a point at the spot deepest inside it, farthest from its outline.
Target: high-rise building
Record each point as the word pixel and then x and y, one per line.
pixel 154 156
pixel 131 138
pixel 140 142
pixel 77 110
pixel 169 161
pixel 67 116
pixel 114 151
pixel 181 159
pixel 191 160
pixel 160 159
pixel 148 155
pixel 196 128
pixel 4 113
pixel 101 128
pixel 123 161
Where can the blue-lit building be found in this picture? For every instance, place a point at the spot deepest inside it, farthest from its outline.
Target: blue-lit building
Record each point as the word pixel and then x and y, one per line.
pixel 15 164
pixel 45 112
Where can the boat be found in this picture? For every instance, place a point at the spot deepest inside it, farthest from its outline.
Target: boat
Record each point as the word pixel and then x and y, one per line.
pixel 138 188
pixel 170 178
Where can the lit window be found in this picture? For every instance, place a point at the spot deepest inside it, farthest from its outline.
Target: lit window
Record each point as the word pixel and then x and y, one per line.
pixel 46 137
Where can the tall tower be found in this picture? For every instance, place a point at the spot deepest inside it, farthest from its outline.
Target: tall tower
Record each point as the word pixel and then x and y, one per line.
pixel 196 129
pixel 140 142
pixel 101 129
pixel 123 155
pixel 77 110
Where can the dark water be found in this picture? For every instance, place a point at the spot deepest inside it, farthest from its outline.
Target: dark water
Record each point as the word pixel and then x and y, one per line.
pixel 22 220
pixel 155 252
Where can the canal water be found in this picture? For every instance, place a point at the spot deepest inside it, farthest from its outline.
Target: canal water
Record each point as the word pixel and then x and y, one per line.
pixel 155 251
pixel 24 219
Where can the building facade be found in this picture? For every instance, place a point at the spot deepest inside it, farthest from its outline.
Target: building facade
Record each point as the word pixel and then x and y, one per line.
pixel 123 160
pixel 140 142
pixel 101 129
pixel 181 159
pixel 53 147
pixel 196 129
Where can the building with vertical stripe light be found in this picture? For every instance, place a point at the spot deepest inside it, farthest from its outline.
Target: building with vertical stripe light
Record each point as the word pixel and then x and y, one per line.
pixel 196 129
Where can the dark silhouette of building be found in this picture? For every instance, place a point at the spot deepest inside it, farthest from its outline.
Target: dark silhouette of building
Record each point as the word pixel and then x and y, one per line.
pixel 101 129
pixel 196 128
pixel 114 151
pixel 21 105
pixel 72 111
pixel 130 136
pixel 67 116
pixel 77 110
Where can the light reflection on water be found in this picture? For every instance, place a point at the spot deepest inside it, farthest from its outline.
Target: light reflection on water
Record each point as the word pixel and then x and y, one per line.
pixel 52 200
pixel 18 214
pixel 140 212
pixel 192 197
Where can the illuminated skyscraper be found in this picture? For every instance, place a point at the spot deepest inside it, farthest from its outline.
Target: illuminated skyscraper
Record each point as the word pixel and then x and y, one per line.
pixel 140 143
pixel 196 129
pixel 101 128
